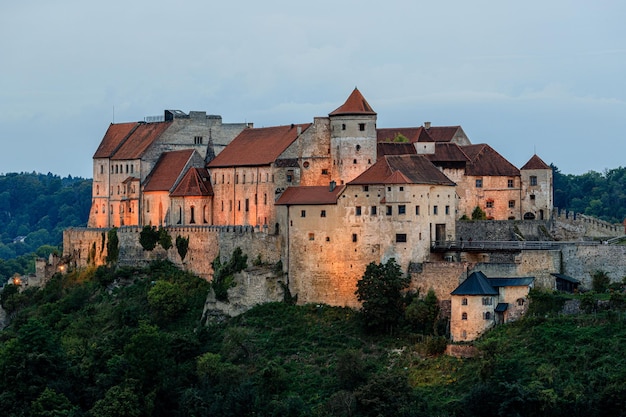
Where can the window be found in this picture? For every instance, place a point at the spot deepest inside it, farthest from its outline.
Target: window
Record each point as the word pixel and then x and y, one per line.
pixel 311 236
pixel 362 127
pixel 401 188
pixel 265 199
pixel 464 334
pixel 520 302
pixel 463 316
pixel 489 204
pixel 192 215
pixel 417 210
pixel 389 189
pixel 389 210
pixel 511 203
pixel 366 188
pixel 247 205
pixel 324 172
pixel 323 213
pixel 303 213
pixel 354 237
pixel 97 190
pixel 464 301
pixel 102 169
pixel 237 179
pixel 435 210
pixel 479 183
pixel 509 183
pixel 238 205
pixel 487 301
pixel 358 148
pixel 373 210
pixel 447 210
pixel 132 168
pixel 532 196
pixel 343 126
pixel 401 209
pixel 354 161
pixel 290 175
pixel 533 180
pixel 358 210
pixel 197 140
pixel 244 178
pixel 487 315
pixel 400 237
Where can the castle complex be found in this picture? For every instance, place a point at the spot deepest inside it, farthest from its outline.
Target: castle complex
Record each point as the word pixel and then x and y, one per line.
pixel 331 195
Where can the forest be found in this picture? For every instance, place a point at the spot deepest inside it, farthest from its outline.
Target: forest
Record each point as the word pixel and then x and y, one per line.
pixel 134 342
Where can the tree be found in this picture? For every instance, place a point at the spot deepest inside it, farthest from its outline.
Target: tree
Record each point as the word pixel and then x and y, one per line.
pixel 478 214
pixel 423 313
pixel 600 281
pixel 182 246
pixel 148 238
pixel 113 249
pixel 380 292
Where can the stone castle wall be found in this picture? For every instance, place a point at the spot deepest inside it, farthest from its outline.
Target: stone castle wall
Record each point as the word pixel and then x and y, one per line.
pixel 574 226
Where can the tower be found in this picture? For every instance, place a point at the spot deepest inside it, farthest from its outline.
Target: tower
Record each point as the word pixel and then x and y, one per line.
pixel 352 138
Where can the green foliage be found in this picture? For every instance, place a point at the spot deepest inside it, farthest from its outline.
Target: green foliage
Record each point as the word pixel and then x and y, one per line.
pixel 166 299
pixel 545 303
pixel 165 240
pixel 39 207
pixel 113 246
pixel 380 292
pixel 601 195
pixel 400 138
pixel 223 278
pixel 148 237
pixel 182 246
pixel 10 298
pixel 422 313
pixel 600 281
pixel 478 214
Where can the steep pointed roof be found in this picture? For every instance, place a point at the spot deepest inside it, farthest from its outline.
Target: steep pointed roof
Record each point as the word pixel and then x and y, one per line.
pixel 195 183
pixel 485 161
pixel 354 105
pixel 310 195
pixel 412 169
pixel 535 163
pixel 168 170
pixel 258 146
pixel 476 284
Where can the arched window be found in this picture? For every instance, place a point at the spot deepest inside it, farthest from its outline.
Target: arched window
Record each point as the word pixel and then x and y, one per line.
pixel 487 315
pixel 97 190
pixel 192 215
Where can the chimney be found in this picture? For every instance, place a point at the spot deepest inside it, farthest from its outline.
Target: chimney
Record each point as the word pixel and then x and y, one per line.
pixel 299 130
pixel 332 186
pixel 426 125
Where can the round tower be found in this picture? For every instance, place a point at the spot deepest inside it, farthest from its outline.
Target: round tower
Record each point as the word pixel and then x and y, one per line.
pixel 352 138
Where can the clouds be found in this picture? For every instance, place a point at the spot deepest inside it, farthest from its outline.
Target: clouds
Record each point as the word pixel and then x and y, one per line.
pixel 524 76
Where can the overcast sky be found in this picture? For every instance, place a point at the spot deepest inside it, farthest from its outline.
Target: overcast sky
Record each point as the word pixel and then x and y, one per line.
pixel 543 77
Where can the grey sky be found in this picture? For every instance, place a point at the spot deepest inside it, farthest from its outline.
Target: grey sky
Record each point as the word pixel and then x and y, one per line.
pixel 525 77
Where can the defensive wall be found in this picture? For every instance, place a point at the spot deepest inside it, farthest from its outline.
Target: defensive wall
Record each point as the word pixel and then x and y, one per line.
pixel 567 225
pixel 87 246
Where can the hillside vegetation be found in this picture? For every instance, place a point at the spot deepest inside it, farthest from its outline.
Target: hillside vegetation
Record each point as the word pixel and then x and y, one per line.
pixel 133 342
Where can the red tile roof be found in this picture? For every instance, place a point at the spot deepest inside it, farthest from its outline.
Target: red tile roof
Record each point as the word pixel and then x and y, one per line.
pixel 448 152
pixel 485 161
pixel 442 133
pixel 196 183
pixel 257 146
pixel 414 169
pixel 116 135
pixel 167 170
pixel 536 163
pixel 413 134
pixel 393 148
pixel 355 104
pixel 309 195
pixel 143 136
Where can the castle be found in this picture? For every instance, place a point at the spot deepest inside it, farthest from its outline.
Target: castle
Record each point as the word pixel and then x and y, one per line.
pixel 325 198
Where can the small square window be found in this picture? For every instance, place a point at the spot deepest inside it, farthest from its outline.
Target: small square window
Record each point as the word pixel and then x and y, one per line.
pixel 533 180
pixel 447 210
pixel 489 204
pixel 435 210
pixel 323 213
pixel 324 172
pixel 362 127
pixel 343 126
pixel 311 236
pixel 389 212
pixel 464 301
pixel 401 188
pixel 479 183
pixel 303 213
pixel 358 210
pixel 366 188
pixel 400 237
pixel 373 210
pixel 463 316
pixel 532 196
pixel 402 209
pixel 509 183
pixel 354 237
pixel 511 203
pixel 417 210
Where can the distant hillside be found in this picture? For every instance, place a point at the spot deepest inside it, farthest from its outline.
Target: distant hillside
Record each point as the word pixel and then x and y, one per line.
pixel 594 194
pixel 35 208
